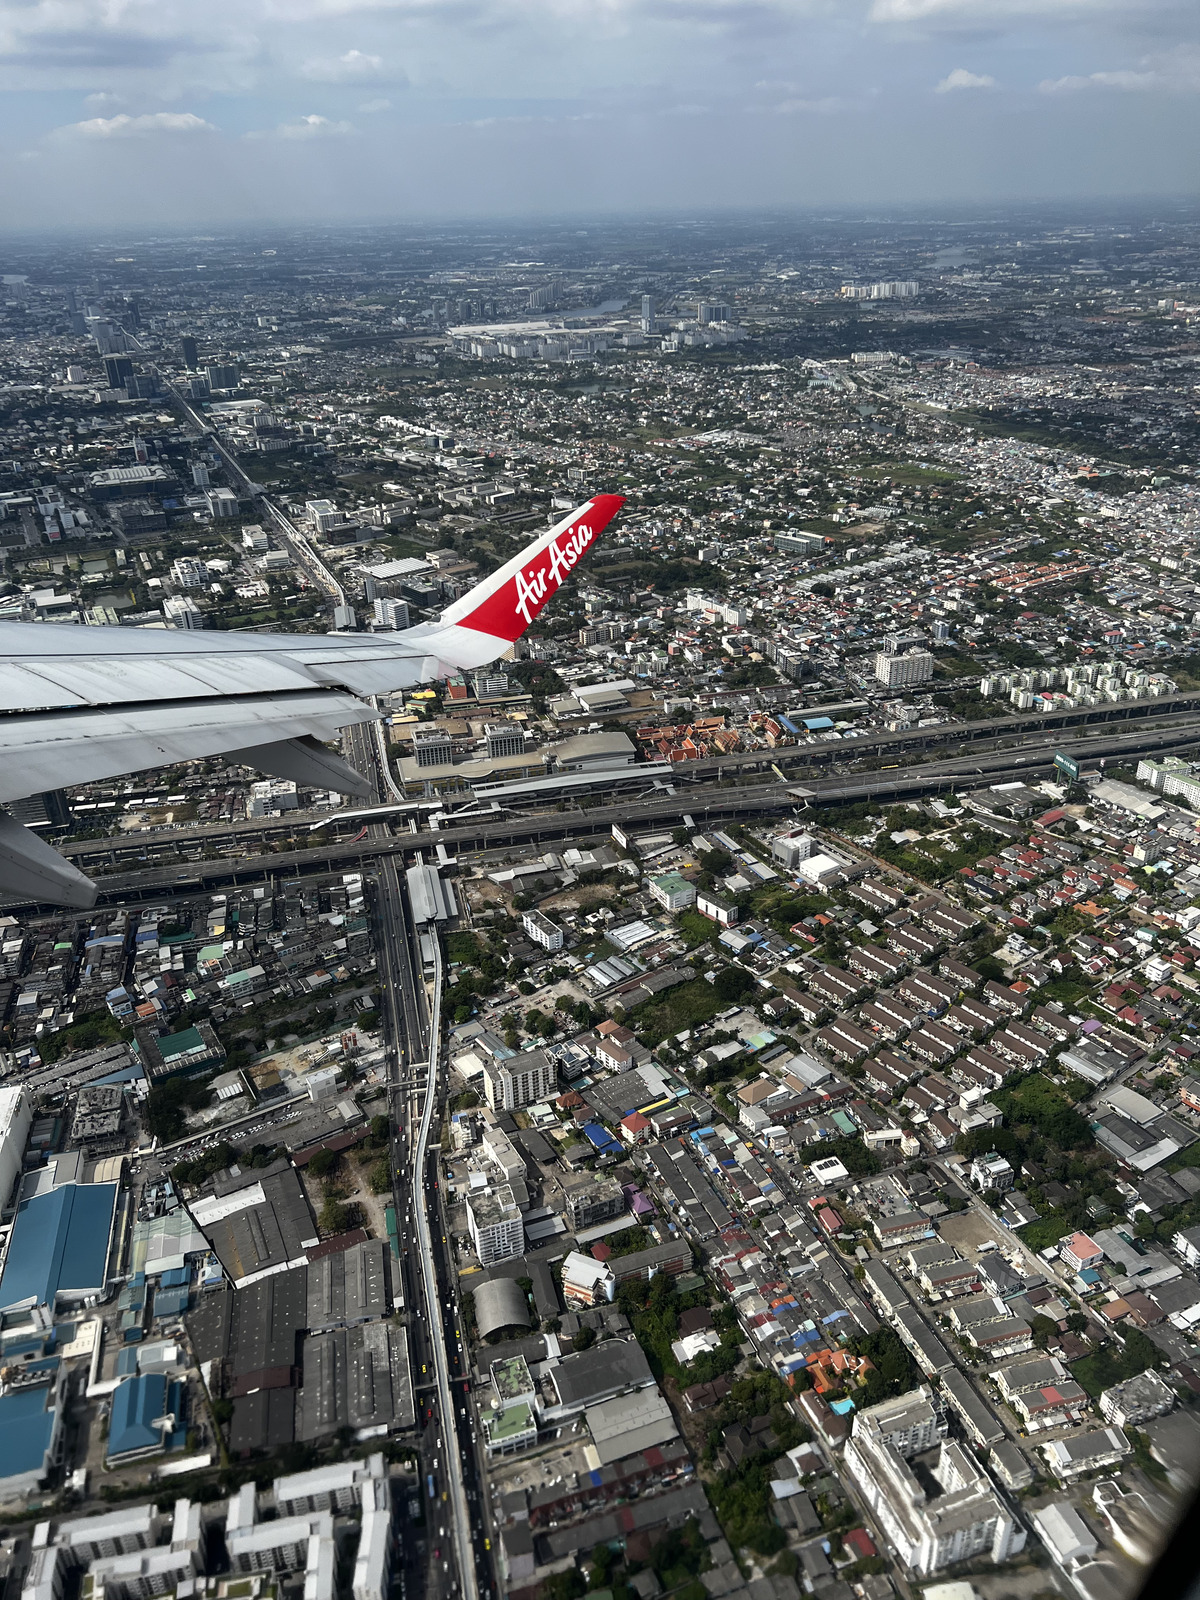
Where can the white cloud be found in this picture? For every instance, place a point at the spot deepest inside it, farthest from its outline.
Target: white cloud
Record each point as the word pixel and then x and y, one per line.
pixel 960 78
pixel 143 127
pixel 370 107
pixel 103 101
pixel 353 67
pixel 980 12
pixel 1100 80
pixel 310 127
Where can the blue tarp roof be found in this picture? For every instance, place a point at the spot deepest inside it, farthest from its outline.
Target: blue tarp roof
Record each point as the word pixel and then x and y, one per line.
pixel 26 1429
pixel 813 724
pixel 59 1244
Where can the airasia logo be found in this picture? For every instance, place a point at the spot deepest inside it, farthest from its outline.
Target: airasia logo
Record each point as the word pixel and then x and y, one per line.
pixel 536 586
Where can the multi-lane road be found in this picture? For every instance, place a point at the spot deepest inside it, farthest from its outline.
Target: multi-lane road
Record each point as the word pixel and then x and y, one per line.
pixel 709 804
pixel 458 1556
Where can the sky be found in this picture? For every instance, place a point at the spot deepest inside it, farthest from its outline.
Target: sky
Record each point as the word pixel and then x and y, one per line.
pixel 206 112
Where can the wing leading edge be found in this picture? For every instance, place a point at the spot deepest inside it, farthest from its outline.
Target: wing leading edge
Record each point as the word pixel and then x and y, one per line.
pixel 79 707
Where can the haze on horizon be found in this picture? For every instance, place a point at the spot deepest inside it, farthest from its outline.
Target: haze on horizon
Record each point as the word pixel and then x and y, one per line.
pixel 175 112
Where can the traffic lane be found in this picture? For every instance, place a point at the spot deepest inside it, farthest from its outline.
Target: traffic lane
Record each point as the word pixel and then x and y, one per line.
pixel 464 1418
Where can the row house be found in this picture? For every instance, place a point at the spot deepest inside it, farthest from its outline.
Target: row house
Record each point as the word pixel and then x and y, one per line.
pixel 571 1497
pixel 951 922
pixel 883 1081
pixel 948 1279
pixel 929 1094
pixel 1012 1001
pixel 1053 1406
pixel 889 1020
pixel 904 1228
pixel 1007 1336
pixel 915 944
pixel 927 993
pixel 879 966
pixel 877 895
pixel 811 1007
pixel 957 972
pixel 897 1063
pixel 935 1043
pixel 1033 1037
pixel 1020 1052
pixel 844 1041
pixel 970 1076
pixel 1055 1024
pixel 977 1015
pixel 994 1067
pixel 939 1131
pixel 836 991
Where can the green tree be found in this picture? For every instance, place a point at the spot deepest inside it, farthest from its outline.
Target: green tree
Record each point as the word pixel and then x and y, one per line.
pixel 731 984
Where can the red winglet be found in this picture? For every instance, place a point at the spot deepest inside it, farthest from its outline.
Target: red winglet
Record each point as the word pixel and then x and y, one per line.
pixel 505 604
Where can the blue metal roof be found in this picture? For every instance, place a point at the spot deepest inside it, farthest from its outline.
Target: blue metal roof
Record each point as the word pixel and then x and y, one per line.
pixel 135 1406
pixel 59 1245
pixel 596 1133
pixel 26 1429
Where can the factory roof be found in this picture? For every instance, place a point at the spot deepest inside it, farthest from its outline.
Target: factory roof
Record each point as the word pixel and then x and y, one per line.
pixel 257 1222
pixel 59 1245
pixel 26 1429
pixel 136 1406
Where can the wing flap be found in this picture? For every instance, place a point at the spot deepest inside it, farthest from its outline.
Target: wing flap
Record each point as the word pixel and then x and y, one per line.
pixel 73 747
pixel 117 681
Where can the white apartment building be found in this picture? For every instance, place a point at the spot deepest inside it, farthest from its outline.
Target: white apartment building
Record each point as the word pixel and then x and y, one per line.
pixel 927 1532
pixel 792 849
pixel 1171 776
pixel 586 1281
pixel 542 931
pixel 673 891
pixel 896 670
pixel 117 1533
pixel 16 1114
pixel 322 514
pixel 520 1080
pixel 390 614
pixel 337 1488
pixel 188 573
pixel 494 1220
pixel 376 1545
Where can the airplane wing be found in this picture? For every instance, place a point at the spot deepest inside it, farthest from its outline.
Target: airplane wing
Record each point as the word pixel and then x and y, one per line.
pixel 83 705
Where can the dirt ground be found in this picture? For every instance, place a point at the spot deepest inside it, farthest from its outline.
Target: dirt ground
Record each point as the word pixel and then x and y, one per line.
pixel 581 899
pixel 357 1192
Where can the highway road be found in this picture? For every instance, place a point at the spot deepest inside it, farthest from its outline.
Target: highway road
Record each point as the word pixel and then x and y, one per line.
pixel 1011 738
pixel 708 804
pixel 458 1544
pixel 459 1547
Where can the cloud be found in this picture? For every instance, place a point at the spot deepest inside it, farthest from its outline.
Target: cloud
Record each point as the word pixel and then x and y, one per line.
pixel 370 107
pixel 104 101
pixel 1173 72
pixel 1099 80
pixel 978 13
pixel 310 127
pixel 147 126
pixel 354 67
pixel 960 78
